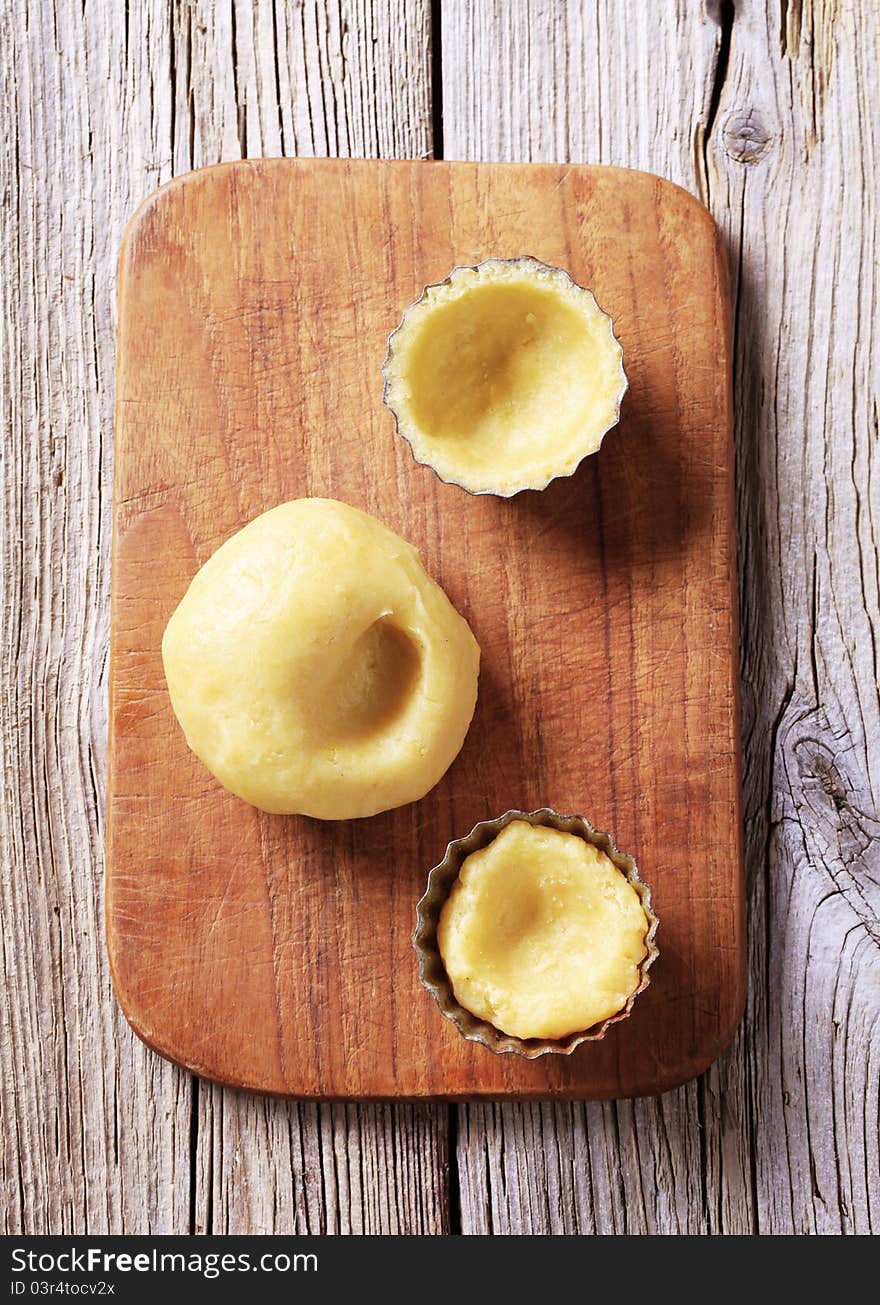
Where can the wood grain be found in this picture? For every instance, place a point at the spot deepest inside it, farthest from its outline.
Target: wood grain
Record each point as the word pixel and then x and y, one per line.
pixel 98 1134
pixel 255 304
pixel 782 1133
pixel 767 113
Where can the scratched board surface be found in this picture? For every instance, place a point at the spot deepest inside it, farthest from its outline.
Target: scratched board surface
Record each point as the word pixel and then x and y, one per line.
pixel 255 303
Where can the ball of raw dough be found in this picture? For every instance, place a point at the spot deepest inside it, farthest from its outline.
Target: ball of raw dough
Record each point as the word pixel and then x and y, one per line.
pixel 315 667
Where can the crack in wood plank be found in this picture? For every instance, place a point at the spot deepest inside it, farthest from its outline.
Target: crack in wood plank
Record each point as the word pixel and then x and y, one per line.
pixel 774 1136
pixel 100 1135
pixel 781 1135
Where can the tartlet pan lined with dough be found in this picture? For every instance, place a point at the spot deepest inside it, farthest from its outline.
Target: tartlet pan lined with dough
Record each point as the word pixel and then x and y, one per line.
pixel 504 376
pixel 432 971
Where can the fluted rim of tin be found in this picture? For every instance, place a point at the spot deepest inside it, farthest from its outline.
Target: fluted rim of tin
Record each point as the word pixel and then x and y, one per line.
pixel 401 325
pixel 432 972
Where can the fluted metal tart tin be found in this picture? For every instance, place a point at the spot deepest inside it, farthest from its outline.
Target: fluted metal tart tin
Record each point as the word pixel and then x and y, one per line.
pixel 536 263
pixel 432 972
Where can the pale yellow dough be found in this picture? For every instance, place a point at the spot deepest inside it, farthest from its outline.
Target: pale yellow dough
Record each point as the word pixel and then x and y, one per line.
pixel 316 668
pixel 542 935
pixel 504 376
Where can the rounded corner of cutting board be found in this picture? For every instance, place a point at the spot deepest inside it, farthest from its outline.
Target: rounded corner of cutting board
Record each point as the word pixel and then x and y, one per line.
pixel 176 1049
pixel 151 208
pixel 130 1001
pixel 710 1050
pixel 671 192
pixel 145 210
pixel 683 199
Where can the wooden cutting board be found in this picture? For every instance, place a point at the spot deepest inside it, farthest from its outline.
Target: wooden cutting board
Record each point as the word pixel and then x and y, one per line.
pixel 255 302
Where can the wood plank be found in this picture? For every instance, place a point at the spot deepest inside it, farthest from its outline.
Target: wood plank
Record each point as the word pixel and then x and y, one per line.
pixel 268 1166
pixel 601 88
pixel 95 1132
pixel 309 80
pixel 770 116
pixel 255 306
pixel 100 1135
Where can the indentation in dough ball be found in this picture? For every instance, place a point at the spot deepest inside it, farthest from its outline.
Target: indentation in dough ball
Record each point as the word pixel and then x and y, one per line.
pixel 372 685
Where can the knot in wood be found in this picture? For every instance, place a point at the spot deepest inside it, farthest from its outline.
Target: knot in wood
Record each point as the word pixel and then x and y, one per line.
pixel 819 769
pixel 746 138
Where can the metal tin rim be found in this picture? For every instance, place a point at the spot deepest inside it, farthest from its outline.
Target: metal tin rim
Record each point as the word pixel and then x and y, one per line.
pixel 432 973
pixel 423 462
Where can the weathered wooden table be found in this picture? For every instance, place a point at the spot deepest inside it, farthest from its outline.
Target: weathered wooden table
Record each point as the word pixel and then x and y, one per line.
pixel 767 111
